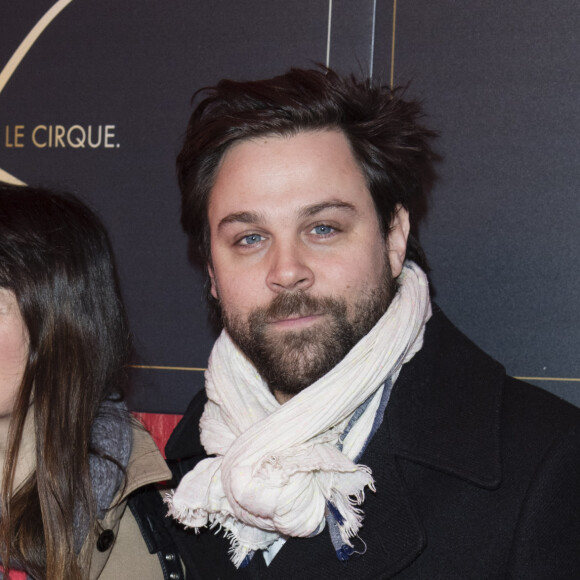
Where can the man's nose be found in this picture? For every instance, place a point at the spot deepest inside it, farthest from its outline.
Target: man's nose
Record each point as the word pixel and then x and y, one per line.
pixel 289 269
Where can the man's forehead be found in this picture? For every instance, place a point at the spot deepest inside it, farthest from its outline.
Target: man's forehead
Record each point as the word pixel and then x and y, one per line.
pixel 308 171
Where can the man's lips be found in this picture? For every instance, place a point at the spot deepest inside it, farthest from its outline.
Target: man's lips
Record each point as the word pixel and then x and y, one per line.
pixel 295 320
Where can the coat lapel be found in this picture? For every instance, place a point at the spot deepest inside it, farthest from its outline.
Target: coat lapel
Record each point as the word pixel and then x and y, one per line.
pixel 445 408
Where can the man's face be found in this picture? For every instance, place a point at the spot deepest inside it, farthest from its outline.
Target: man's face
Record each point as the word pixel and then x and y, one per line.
pixel 299 263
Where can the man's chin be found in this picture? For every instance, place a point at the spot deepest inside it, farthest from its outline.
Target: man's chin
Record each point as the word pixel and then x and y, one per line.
pixel 292 379
pixel 294 361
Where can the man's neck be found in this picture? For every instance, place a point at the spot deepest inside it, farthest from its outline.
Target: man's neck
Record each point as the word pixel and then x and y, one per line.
pixel 281 397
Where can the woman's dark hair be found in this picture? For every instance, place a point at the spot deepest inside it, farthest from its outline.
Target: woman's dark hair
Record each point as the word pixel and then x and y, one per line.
pixel 391 146
pixel 55 256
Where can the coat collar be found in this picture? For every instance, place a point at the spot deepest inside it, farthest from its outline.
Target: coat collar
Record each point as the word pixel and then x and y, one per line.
pixel 445 408
pixel 146 464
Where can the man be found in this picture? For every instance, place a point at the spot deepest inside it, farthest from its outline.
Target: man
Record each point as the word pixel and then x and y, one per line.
pixel 347 429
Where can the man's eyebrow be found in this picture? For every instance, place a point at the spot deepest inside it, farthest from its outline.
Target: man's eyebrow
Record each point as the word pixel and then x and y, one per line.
pixel 251 217
pixel 243 217
pixel 312 210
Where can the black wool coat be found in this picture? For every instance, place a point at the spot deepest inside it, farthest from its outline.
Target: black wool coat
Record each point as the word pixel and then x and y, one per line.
pixel 477 478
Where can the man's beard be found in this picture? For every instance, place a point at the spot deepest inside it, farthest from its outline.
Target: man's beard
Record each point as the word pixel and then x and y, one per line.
pixel 291 360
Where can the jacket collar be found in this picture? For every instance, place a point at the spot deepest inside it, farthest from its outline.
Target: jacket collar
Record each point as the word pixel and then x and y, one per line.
pixel 445 408
pixel 146 464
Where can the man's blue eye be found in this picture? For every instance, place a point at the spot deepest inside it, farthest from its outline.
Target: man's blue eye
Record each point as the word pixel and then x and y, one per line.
pixel 323 230
pixel 251 239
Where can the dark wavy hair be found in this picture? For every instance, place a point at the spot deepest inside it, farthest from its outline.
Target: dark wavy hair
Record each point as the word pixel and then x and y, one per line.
pixel 55 256
pixel 384 131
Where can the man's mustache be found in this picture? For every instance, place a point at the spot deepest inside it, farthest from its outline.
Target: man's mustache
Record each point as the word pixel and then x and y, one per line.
pixel 296 304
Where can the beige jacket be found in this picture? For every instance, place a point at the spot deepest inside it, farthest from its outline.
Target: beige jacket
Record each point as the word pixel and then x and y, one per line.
pixel 127 557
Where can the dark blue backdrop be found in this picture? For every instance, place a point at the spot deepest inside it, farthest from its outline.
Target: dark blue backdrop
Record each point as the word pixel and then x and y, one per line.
pixel 498 80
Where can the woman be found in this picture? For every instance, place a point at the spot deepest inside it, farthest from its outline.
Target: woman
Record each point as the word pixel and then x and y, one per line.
pixel 71 455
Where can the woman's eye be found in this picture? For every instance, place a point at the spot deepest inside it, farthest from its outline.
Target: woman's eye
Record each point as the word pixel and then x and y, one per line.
pixel 322 230
pixel 250 240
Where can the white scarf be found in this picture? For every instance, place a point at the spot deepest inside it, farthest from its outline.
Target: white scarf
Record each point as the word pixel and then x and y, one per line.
pixel 276 466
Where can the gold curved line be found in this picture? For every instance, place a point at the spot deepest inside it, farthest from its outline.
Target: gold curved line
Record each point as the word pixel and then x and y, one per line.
pixel 7 178
pixel 29 41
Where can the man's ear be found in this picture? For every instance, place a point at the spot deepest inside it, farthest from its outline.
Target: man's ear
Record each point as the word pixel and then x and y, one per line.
pixel 397 239
pixel 213 285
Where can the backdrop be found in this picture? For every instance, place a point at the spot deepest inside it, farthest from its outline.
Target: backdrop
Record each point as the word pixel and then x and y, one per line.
pixel 94 97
